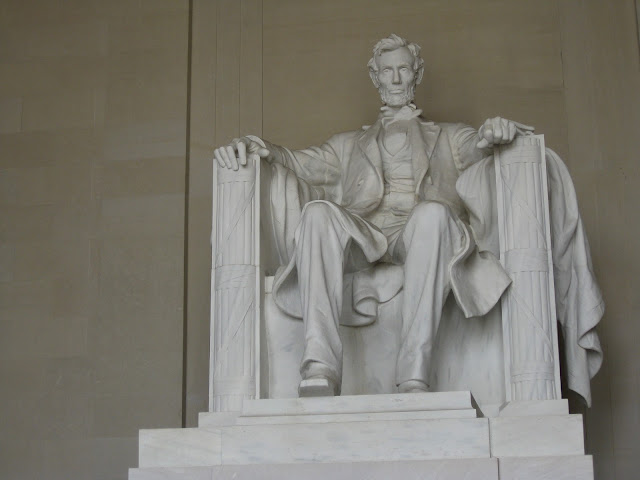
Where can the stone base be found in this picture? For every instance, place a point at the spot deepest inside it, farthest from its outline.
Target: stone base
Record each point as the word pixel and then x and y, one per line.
pixel 534 468
pixel 474 469
pixel 423 435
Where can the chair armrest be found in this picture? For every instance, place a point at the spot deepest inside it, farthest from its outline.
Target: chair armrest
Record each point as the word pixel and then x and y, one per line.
pixel 529 324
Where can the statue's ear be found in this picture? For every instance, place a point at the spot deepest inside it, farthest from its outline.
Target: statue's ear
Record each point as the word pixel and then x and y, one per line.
pixel 374 77
pixel 419 75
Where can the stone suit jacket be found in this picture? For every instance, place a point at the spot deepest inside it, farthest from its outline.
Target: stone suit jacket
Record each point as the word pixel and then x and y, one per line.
pixel 348 168
pixel 451 170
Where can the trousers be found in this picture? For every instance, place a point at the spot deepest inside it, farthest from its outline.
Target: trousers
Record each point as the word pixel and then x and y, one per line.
pixel 425 247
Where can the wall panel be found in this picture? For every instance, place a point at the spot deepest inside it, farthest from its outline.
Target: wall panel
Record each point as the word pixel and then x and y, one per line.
pixel 226 102
pixel 481 59
pixel 602 95
pixel 92 166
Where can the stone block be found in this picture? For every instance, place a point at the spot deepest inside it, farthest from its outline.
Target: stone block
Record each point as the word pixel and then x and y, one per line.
pixel 153 139
pixel 356 417
pixel 174 447
pixel 7 258
pixel 42 259
pixel 156 215
pixel 535 408
pixel 71 183
pixel 21 294
pixel 26 223
pixel 51 75
pixel 10 115
pixel 554 435
pixel 32 330
pixel 58 111
pixel 171 473
pixel 535 468
pixel 356 442
pixel 63 39
pixel 119 414
pixel 44 149
pixel 359 404
pixel 468 469
pixel 140 177
pixel 217 419
pixel 130 101
pixel 149 31
pixel 26 186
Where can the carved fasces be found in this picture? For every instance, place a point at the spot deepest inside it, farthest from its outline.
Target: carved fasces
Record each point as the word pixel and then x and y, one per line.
pixel 528 306
pixel 235 299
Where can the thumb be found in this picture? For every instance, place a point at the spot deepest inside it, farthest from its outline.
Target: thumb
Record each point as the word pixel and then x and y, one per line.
pixel 263 152
pixel 482 143
pixel 524 129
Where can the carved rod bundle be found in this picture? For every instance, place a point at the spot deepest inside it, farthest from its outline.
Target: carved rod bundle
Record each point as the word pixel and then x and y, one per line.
pixel 529 326
pixel 235 292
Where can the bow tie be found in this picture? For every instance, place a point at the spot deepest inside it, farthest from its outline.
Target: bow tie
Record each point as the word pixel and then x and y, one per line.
pixel 406 113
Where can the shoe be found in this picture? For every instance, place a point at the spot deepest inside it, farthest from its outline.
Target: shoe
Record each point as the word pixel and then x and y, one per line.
pixel 318 380
pixel 413 386
pixel 317 386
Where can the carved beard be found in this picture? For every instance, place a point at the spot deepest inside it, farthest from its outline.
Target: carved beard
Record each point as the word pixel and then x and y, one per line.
pixel 393 100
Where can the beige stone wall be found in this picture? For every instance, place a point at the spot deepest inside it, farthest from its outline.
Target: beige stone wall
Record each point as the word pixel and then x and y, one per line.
pixel 92 174
pixel 94 122
pixel 481 59
pixel 602 97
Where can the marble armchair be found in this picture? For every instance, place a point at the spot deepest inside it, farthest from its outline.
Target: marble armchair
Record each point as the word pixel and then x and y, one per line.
pixel 509 354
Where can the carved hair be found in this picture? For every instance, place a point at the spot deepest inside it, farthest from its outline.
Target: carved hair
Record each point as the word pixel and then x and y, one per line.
pixel 393 42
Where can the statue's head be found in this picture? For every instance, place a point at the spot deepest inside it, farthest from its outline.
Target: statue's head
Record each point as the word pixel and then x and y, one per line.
pixel 395 69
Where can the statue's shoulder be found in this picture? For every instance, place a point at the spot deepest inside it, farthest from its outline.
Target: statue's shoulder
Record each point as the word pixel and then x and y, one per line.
pixel 457 133
pixel 346 137
pixel 452 127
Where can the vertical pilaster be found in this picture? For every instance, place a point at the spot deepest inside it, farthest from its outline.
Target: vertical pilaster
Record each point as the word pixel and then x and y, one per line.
pixel 235 275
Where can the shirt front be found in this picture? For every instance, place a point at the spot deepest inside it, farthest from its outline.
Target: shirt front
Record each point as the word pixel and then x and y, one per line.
pixel 399 183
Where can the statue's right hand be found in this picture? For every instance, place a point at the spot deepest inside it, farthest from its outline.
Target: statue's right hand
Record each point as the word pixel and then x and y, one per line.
pixel 236 153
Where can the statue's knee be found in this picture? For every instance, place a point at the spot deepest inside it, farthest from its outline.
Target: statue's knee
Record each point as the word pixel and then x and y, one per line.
pixel 429 214
pixel 316 213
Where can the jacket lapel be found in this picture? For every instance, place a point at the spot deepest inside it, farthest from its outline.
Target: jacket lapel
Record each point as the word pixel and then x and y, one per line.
pixel 368 143
pixel 424 136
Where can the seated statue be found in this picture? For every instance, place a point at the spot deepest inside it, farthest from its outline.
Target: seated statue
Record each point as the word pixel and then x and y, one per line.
pixel 384 194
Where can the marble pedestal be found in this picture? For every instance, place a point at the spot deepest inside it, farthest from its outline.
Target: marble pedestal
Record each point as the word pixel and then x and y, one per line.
pixel 439 435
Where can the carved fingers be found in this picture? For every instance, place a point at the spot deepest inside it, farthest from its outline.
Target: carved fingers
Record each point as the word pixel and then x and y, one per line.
pixel 499 131
pixel 235 155
pixel 222 156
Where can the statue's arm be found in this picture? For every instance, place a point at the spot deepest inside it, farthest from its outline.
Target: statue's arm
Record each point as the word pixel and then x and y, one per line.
pixel 236 154
pixel 319 166
pixel 464 146
pixel 470 146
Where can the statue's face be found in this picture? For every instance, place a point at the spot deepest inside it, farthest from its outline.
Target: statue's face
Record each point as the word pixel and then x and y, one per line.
pixel 396 77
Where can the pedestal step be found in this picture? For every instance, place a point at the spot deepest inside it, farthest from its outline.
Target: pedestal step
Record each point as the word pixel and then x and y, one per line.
pixel 356 441
pixel 469 469
pixel 412 439
pixel 401 402
pixel 533 468
pixel 356 408
pixel 351 417
pixel 399 432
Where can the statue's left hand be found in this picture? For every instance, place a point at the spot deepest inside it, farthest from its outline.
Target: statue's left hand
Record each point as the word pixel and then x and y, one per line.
pixel 235 155
pixel 498 131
